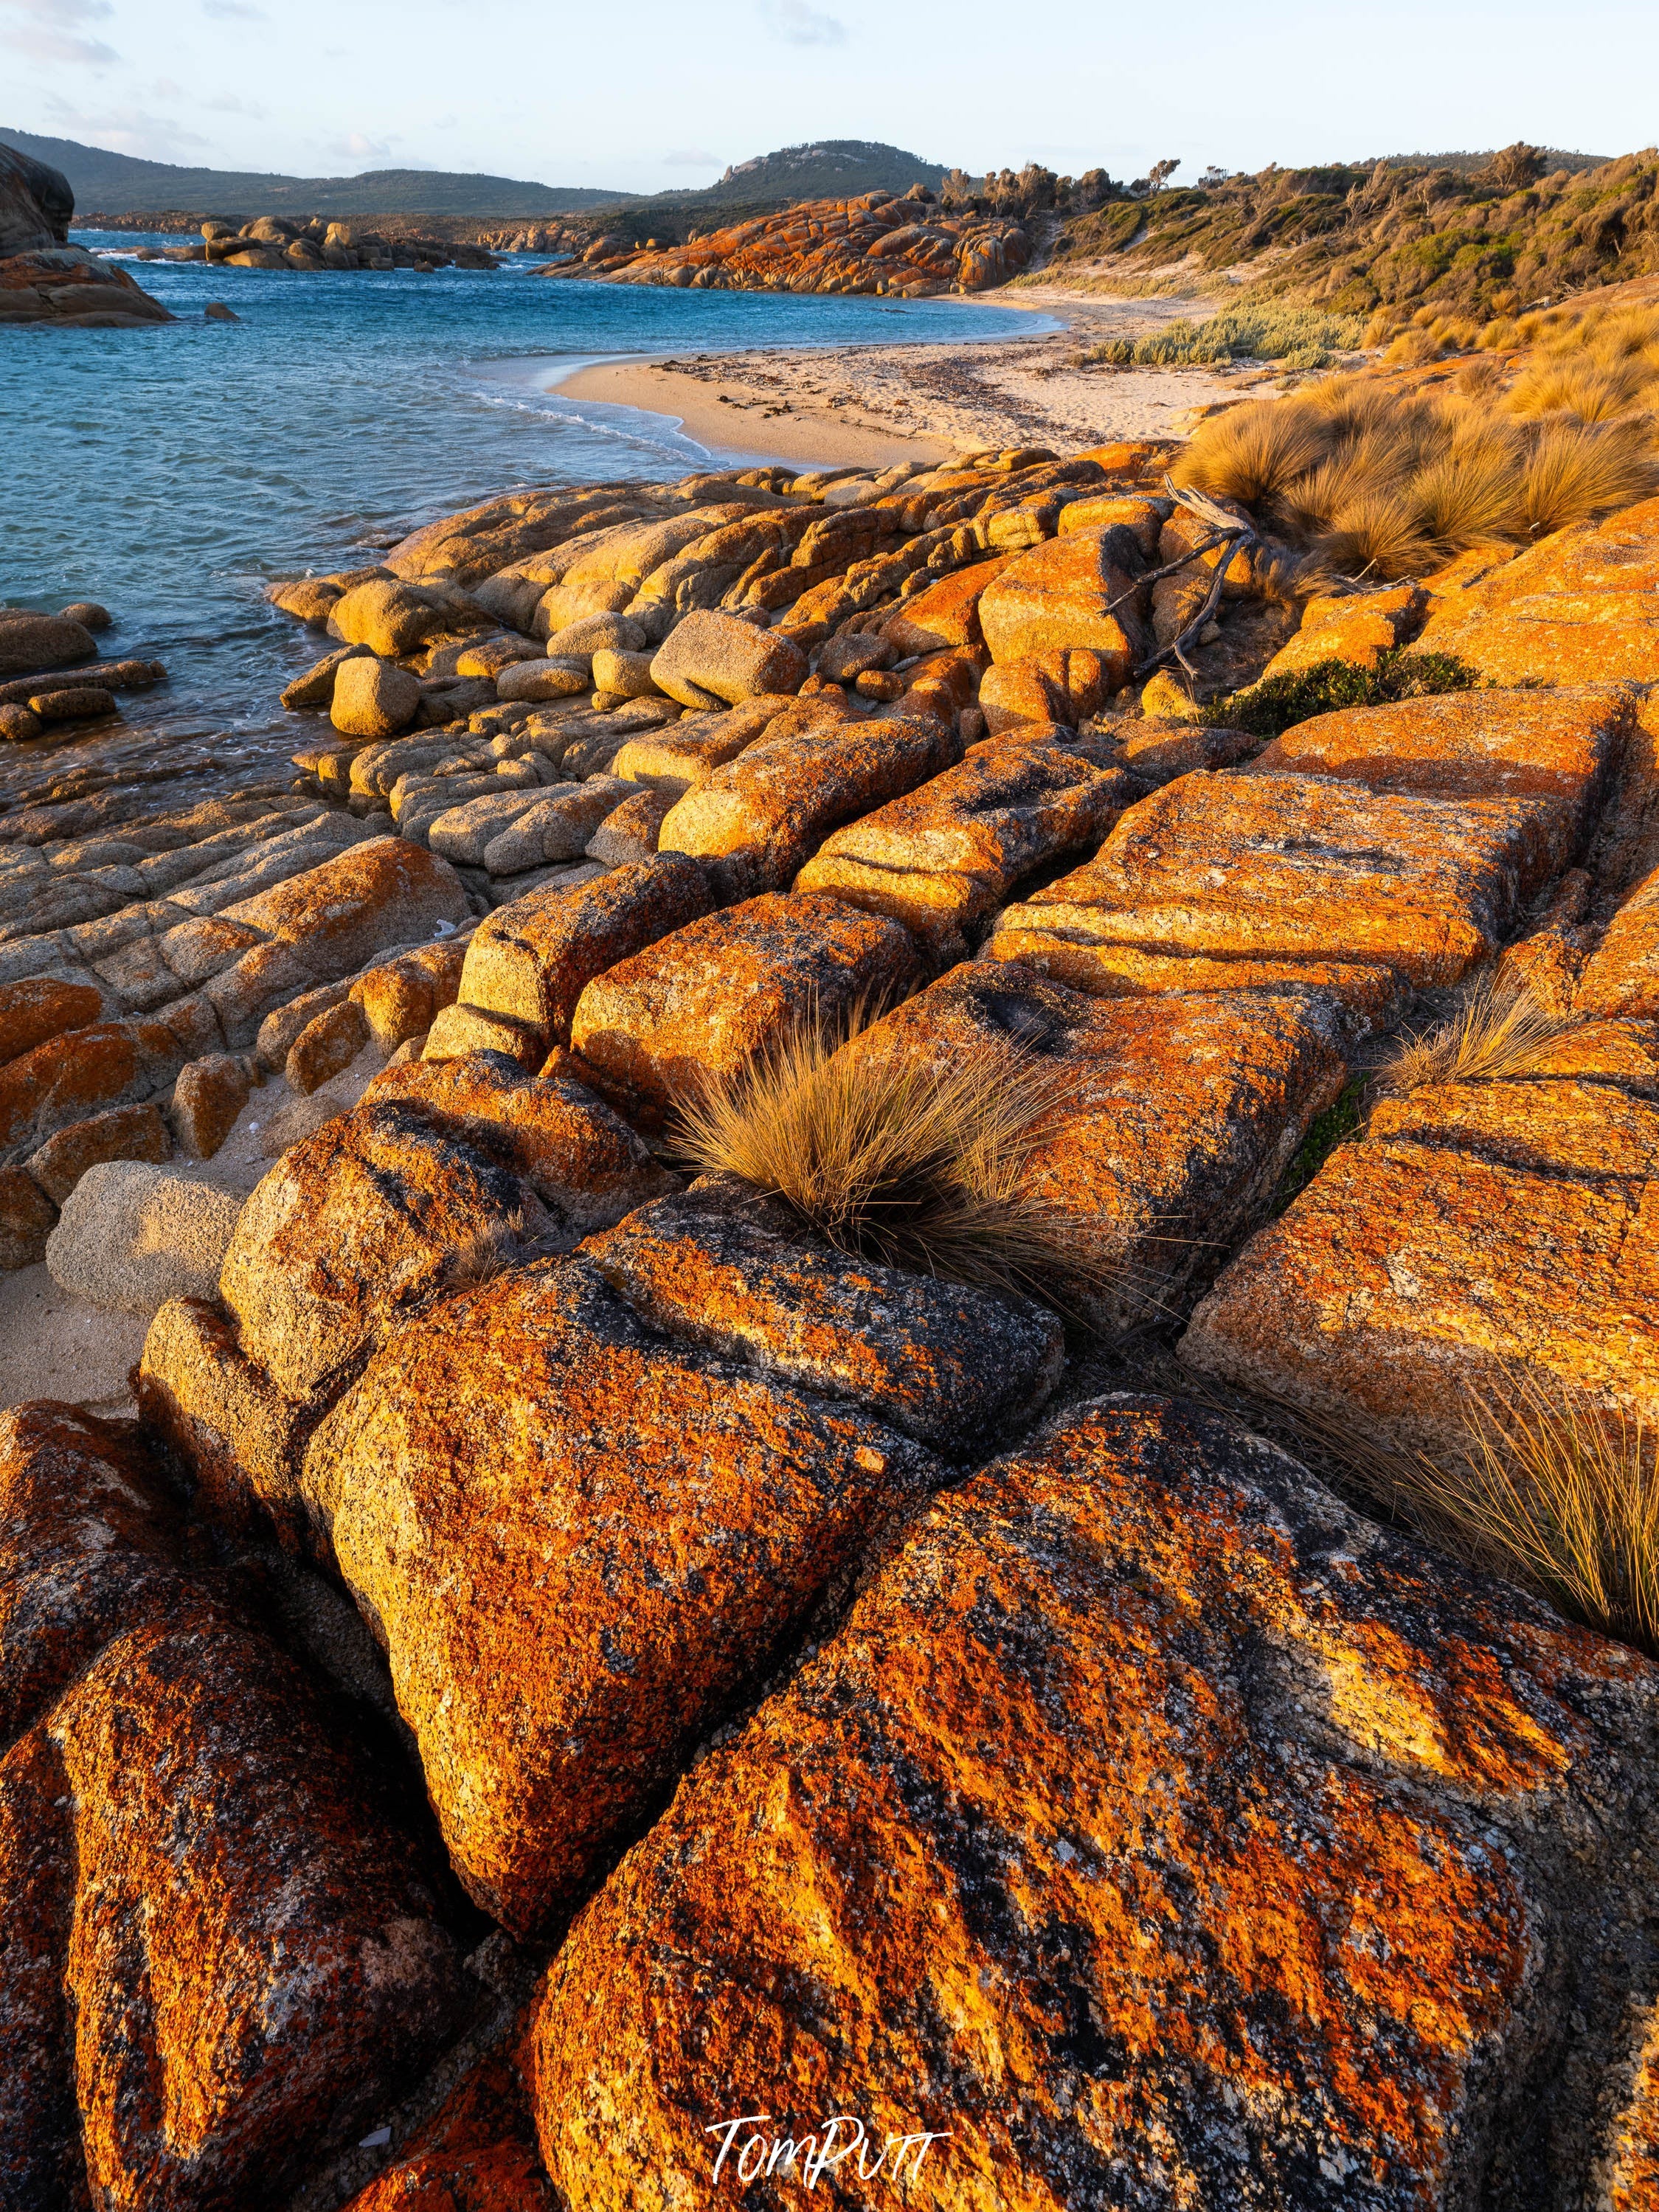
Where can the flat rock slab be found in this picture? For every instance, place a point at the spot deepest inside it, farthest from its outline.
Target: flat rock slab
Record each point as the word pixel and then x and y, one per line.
pixel 1555 749
pixel 709 998
pixel 943 858
pixel 1157 1832
pixel 1174 1118
pixel 760 818
pixel 219 1957
pixel 1313 870
pixel 575 1551
pixel 1480 1235
pixel 719 1268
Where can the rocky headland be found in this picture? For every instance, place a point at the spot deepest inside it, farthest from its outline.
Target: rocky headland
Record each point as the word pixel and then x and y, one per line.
pixel 45 279
pixel 907 247
pixel 566 1678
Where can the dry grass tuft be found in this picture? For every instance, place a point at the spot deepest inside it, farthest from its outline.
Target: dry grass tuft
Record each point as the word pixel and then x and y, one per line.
pixel 1382 483
pixel 1574 476
pixel 1555 1492
pixel 1252 453
pixel 480 1257
pixel 1499 1034
pixel 898 1162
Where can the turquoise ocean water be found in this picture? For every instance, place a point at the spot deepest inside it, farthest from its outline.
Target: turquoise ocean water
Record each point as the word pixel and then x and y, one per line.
pixel 168 472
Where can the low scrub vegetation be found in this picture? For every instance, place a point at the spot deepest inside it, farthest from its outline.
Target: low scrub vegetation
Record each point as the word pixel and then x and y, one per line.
pixel 1469 238
pixel 898 1162
pixel 1269 709
pixel 1298 338
pixel 1379 483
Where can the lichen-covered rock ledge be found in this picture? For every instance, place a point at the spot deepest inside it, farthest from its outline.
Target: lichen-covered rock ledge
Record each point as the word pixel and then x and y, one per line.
pixel 570 1672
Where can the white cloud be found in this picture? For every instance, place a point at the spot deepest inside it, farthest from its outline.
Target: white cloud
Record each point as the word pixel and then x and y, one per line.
pixel 798 25
pixel 692 160
pixel 236 10
pixel 49 31
pixel 230 103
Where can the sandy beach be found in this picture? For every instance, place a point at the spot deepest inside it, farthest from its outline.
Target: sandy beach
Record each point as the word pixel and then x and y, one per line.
pixel 870 406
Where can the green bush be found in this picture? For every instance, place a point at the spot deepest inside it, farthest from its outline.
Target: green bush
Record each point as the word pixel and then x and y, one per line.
pixel 1269 709
pixel 1340 1120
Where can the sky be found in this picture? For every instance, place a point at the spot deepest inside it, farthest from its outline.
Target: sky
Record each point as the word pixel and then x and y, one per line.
pixel 651 95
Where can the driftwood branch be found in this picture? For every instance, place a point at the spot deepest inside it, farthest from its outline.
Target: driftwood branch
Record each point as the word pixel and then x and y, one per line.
pixel 1225 530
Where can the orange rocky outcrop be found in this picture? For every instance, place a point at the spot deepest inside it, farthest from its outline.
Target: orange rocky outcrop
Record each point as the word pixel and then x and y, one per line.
pixel 876 243
pixel 1123 1811
pixel 575 1555
pixel 220 1954
pixel 721 990
pixel 1154 1825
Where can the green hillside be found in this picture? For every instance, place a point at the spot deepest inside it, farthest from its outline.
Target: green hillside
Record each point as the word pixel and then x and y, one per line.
pixel 120 183
pixel 828 168
pixel 116 183
pixel 1480 235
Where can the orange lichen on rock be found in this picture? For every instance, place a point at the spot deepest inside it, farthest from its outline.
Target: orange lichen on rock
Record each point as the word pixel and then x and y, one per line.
pixel 1173 1118
pixel 575 1550
pixel 476 2153
pixel 533 959
pixel 1555 750
pixel 709 998
pixel 218 1954
pixel 722 1269
pixel 1580 607
pixel 757 819
pixel 1359 630
pixel 1070 592
pixel 1411 1268
pixel 1154 1829
pixel 1280 868
pixel 944 857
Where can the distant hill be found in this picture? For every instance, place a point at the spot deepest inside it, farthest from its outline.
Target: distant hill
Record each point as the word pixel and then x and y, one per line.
pixel 114 184
pixel 829 168
pixel 120 183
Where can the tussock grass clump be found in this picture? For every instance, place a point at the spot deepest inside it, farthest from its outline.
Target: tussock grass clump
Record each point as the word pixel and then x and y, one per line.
pixel 1269 709
pixel 1499 1033
pixel 896 1161
pixel 1385 483
pixel 1556 1492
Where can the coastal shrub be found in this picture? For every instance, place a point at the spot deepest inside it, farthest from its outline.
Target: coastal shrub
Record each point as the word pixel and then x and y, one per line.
pixel 896 1161
pixel 1556 1493
pixel 1301 337
pixel 1498 1033
pixel 1267 709
pixel 1381 483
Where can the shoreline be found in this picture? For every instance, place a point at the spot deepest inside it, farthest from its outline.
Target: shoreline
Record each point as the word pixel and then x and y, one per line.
pixel 872 405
